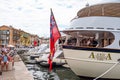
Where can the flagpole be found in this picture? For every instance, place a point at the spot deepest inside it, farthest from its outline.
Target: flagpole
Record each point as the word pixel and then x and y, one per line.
pixel 54 36
pixel 50 56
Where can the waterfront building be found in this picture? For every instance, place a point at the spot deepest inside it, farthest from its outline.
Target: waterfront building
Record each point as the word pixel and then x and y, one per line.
pixel 16 37
pixel 24 38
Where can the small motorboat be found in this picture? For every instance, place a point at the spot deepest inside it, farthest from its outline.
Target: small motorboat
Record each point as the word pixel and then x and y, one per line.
pixel 54 64
pixel 31 62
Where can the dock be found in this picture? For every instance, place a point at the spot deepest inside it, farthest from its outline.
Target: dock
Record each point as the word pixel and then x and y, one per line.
pixel 19 72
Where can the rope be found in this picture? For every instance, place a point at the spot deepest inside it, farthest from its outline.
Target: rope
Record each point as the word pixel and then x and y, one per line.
pixel 106 71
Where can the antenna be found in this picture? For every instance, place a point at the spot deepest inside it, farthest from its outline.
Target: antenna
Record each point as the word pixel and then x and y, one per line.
pixel 87 4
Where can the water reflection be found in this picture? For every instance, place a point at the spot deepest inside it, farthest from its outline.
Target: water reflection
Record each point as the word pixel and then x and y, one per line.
pixel 41 73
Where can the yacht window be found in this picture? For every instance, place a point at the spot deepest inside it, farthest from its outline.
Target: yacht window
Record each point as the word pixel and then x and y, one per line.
pixel 62 40
pixel 89 27
pixel 91 38
pixel 99 28
pixel 79 27
pixel 119 42
pixel 70 28
pixel 110 28
pixel 72 41
pixel 93 42
pixel 118 29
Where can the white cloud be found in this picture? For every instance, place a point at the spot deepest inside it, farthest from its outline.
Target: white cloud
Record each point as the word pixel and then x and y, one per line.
pixel 33 16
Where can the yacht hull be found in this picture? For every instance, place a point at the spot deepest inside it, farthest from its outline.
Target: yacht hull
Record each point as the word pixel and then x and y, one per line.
pixel 93 62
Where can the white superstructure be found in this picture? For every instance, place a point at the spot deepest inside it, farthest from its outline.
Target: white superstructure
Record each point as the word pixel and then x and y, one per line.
pixel 92 48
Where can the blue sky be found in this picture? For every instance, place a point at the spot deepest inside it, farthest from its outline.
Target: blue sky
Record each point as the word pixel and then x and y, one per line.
pixel 33 16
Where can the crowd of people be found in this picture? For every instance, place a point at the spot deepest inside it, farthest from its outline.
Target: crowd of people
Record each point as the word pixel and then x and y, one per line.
pixel 6 56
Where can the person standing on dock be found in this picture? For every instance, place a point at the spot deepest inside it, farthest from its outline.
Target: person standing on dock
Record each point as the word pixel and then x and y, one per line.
pixel 5 59
pixel 0 59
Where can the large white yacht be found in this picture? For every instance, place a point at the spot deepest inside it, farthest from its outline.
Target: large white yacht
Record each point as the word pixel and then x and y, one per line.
pixel 92 47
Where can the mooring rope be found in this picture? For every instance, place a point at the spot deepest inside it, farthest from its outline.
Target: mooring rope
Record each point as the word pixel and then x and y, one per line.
pixel 107 70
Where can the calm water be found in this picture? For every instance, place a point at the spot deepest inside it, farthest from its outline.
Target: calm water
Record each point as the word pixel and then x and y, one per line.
pixel 41 73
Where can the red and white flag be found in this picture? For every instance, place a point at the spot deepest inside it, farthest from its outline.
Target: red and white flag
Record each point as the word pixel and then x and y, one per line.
pixel 54 36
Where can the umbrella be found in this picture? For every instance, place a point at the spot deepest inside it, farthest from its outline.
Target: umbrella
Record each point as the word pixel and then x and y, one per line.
pixel 10 46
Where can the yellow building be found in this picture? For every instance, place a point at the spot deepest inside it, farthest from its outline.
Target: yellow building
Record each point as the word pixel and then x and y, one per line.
pixel 24 38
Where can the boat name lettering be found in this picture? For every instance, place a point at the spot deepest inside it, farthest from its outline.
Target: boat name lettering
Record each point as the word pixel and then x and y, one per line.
pixel 100 56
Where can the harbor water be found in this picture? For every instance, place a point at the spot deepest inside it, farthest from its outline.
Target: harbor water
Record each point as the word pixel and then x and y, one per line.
pixel 42 73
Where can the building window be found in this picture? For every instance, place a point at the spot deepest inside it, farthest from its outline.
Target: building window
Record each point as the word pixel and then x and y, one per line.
pixel 4 32
pixel 0 32
pixel 8 32
pixel 5 42
pixel 3 36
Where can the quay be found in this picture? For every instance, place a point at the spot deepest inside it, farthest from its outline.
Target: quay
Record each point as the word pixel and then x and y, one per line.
pixel 19 72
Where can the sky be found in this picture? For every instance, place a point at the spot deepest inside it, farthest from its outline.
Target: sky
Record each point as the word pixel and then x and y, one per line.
pixel 33 16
